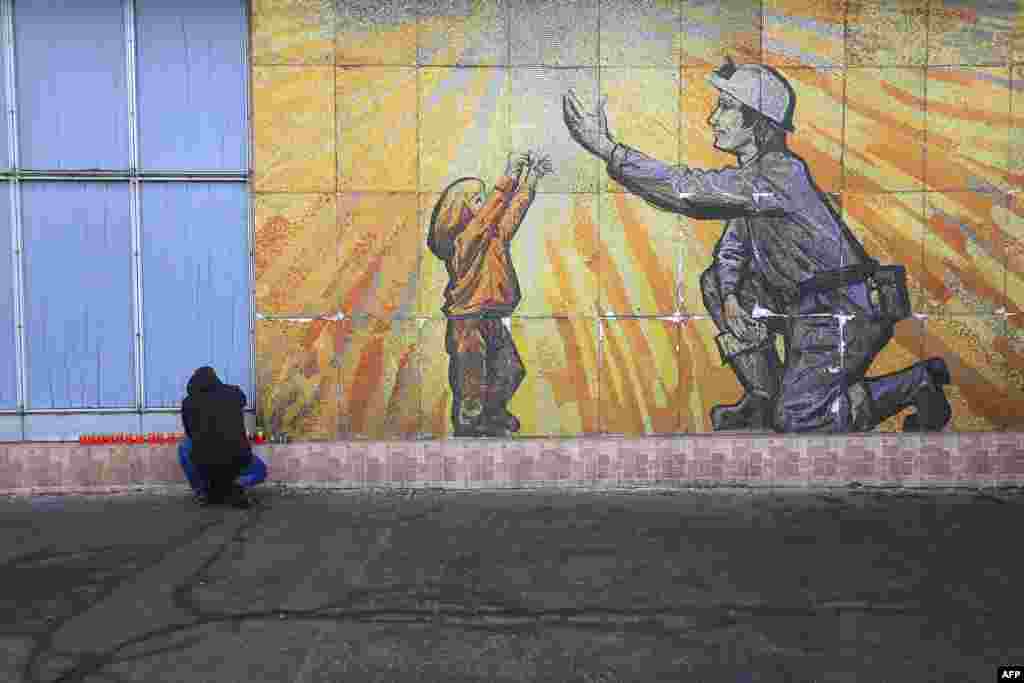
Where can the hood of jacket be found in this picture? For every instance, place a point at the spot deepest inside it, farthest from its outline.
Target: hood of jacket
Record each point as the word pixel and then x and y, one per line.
pixel 203 379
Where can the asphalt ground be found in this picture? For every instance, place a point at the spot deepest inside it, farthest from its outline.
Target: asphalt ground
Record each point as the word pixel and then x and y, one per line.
pixel 587 586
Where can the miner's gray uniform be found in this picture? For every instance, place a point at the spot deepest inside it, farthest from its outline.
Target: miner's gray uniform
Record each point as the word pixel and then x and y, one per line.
pixel 779 233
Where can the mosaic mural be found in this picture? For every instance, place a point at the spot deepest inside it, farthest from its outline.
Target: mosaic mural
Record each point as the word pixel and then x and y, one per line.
pixel 514 217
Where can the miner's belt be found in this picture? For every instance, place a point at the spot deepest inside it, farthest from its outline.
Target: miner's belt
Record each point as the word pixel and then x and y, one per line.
pixel 834 279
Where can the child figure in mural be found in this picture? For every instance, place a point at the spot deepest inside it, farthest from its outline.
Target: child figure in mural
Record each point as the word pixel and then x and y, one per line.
pixel 471 232
pixel 786 265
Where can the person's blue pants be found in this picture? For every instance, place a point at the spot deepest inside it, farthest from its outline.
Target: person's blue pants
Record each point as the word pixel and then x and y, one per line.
pixel 255 473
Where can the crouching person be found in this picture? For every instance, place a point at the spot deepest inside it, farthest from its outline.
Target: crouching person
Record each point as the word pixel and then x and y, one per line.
pixel 215 454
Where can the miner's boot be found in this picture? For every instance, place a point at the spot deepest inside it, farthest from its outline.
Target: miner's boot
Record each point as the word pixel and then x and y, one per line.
pixel 758 372
pixel 933 411
pixel 919 386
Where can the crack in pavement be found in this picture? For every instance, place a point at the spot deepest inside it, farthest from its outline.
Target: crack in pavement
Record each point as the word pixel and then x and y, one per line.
pixel 100 586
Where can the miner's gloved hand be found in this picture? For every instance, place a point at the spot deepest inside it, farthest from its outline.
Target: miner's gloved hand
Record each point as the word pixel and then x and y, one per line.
pixel 589 129
pixel 741 323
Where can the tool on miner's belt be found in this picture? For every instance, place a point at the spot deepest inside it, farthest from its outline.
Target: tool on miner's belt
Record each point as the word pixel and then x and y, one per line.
pixel 886 287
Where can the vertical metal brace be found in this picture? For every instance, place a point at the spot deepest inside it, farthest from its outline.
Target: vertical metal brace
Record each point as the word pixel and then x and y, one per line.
pixel 7 44
pixel 251 220
pixel 136 221
pixel 133 128
pixel 17 240
pixel 133 194
pixel 250 199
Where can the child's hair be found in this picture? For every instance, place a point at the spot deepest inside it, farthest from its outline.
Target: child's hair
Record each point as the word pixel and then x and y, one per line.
pixel 452 198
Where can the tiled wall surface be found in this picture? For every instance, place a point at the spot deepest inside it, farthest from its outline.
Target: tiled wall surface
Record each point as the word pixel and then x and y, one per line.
pixel 909 114
pixel 947 459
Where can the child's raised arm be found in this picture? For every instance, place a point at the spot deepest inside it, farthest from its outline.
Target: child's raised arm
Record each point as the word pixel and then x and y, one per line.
pixel 537 168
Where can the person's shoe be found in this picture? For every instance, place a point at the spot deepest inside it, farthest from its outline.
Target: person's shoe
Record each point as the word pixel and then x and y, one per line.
pixel 221 497
pixel 938 371
pixel 469 420
pixel 933 409
pixel 752 412
pixel 758 370
pixel 240 500
pixel 504 420
pixel 241 503
pixel 481 430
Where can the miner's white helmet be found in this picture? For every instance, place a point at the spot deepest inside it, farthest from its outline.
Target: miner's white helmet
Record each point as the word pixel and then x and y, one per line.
pixel 760 88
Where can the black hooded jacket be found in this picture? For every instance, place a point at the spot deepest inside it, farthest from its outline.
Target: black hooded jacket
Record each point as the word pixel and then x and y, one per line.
pixel 212 415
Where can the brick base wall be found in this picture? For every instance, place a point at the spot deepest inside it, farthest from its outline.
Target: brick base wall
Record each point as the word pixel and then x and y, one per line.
pixel 944 459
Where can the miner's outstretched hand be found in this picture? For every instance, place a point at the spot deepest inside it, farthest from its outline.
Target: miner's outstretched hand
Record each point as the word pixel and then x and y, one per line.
pixel 590 130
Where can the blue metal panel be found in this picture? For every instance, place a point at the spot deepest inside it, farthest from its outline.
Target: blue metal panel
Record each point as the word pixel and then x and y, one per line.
pixel 191 84
pixel 162 422
pixel 11 428
pixel 43 427
pixel 78 295
pixel 5 157
pixel 8 361
pixel 71 84
pixel 195 286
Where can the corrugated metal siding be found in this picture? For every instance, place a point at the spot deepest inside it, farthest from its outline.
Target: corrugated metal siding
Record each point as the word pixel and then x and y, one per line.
pixel 78 295
pixel 8 361
pixel 189 76
pixel 195 282
pixel 191 117
pixel 71 82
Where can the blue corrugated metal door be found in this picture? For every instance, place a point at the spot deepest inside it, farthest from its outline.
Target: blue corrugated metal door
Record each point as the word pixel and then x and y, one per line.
pixel 128 169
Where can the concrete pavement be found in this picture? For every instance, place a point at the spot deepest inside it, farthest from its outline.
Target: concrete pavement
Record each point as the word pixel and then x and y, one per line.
pixel 558 585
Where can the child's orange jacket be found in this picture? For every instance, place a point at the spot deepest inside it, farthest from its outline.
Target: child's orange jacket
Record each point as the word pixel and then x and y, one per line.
pixel 481 278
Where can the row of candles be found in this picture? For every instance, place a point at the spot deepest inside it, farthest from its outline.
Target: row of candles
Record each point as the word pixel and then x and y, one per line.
pixel 152 437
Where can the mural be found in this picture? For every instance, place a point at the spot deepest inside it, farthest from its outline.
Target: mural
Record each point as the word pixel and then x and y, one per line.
pixel 645 296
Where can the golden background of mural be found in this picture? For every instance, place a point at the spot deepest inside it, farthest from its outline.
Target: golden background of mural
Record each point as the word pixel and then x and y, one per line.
pixel 910 115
